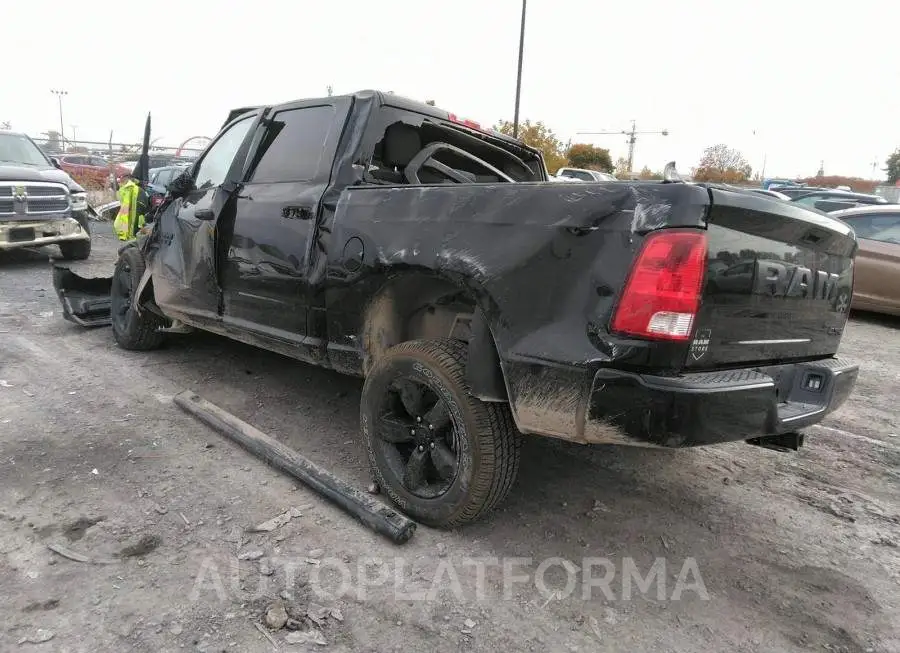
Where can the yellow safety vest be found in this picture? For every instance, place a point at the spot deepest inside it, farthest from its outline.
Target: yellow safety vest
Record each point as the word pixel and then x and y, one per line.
pixel 128 222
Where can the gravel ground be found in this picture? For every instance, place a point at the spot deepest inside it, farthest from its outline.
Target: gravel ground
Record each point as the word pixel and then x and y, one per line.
pixel 730 548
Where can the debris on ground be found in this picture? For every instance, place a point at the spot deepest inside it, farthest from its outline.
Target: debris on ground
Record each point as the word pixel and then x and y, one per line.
pixel 317 614
pixel 276 616
pixel 265 568
pixel 76 530
pixel 317 553
pixel 265 634
pixel 276 522
pixel 176 629
pixel 49 604
pixel 78 557
pixel 336 614
pixel 39 637
pixel 145 545
pixel 253 554
pixel 312 636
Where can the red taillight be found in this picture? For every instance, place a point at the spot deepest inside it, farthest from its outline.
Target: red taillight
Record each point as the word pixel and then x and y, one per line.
pixel 662 294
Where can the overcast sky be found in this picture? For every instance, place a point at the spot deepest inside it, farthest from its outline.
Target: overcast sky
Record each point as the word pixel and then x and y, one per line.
pixel 813 81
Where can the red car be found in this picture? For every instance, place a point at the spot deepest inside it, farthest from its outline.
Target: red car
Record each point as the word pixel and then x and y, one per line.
pixel 91 169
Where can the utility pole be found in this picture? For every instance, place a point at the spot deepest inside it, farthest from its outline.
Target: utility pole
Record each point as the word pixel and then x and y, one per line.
pixel 59 96
pixel 519 74
pixel 632 135
pixel 74 138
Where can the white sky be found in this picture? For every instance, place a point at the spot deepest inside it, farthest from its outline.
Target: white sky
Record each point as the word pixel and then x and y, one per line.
pixel 815 81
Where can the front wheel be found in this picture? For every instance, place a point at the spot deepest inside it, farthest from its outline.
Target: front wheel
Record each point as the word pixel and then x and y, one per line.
pixel 445 457
pixel 132 330
pixel 75 250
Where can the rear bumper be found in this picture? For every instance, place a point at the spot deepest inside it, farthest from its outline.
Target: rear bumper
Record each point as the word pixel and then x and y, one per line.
pixel 714 407
pixel 41 231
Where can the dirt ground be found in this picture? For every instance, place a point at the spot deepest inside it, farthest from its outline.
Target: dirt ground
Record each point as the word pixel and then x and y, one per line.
pixel 730 548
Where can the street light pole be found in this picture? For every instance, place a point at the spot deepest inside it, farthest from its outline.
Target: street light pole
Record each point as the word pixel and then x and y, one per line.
pixel 59 96
pixel 519 74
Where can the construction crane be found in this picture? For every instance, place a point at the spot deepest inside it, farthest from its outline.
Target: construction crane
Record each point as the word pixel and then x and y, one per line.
pixel 632 135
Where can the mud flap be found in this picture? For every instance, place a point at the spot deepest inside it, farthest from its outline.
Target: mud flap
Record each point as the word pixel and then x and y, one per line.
pixel 85 302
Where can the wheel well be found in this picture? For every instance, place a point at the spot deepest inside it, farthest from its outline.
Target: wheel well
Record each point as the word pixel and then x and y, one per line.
pixel 424 308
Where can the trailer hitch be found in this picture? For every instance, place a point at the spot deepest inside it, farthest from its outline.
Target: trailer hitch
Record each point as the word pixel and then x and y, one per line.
pixel 785 443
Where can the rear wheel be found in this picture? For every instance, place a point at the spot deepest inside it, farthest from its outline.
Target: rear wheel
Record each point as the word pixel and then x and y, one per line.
pixel 132 330
pixel 445 457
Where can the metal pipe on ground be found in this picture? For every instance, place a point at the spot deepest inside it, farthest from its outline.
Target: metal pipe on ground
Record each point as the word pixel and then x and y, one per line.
pixel 371 512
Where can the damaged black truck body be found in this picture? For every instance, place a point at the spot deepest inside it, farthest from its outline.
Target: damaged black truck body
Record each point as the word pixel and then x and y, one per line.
pixel 387 239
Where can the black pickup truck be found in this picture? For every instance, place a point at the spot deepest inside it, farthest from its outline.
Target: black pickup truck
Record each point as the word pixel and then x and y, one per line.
pixel 388 239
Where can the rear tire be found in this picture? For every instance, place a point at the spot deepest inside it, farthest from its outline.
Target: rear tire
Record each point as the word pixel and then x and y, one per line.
pixel 133 331
pixel 466 464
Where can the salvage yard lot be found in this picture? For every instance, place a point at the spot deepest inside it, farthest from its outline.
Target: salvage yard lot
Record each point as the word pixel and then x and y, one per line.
pixel 793 551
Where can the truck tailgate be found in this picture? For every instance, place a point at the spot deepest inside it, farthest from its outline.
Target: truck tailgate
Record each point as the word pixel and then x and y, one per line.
pixel 774 273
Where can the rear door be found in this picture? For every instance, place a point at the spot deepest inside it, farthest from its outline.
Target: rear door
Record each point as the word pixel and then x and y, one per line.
pixel 185 270
pixel 272 240
pixel 773 276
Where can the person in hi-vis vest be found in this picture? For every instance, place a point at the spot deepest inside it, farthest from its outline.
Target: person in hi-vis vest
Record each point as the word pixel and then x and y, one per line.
pixel 130 219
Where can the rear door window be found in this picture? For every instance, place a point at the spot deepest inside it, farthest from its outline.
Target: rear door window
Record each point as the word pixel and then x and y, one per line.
pixel 293 146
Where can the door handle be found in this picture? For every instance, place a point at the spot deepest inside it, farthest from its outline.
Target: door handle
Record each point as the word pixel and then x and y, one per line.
pixel 297 212
pixel 204 214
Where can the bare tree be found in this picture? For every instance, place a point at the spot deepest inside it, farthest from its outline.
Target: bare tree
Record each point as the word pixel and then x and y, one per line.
pixel 723 164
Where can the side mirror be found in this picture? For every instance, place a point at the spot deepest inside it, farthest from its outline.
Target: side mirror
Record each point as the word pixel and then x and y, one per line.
pixel 181 185
pixel 55 162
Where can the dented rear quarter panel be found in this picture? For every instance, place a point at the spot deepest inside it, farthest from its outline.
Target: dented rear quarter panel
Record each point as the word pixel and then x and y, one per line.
pixel 544 263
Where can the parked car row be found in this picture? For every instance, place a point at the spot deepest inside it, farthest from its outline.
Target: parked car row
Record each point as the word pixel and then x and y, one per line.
pixel 94 170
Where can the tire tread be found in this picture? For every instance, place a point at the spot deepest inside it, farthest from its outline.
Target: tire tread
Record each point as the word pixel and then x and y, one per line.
pixel 499 441
pixel 142 331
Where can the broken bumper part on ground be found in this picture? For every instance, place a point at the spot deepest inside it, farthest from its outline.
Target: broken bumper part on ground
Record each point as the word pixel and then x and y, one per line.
pixel 85 302
pixel 371 512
